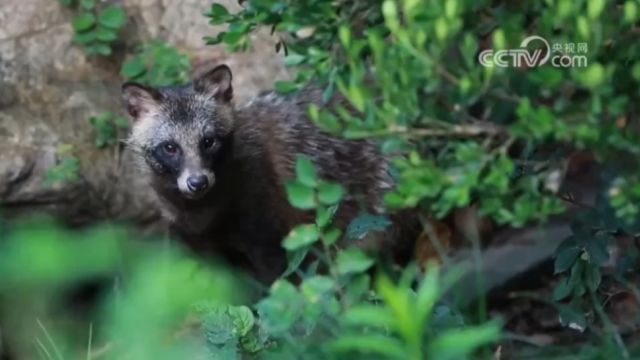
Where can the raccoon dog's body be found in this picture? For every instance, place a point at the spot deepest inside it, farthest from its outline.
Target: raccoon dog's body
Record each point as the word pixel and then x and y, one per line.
pixel 219 170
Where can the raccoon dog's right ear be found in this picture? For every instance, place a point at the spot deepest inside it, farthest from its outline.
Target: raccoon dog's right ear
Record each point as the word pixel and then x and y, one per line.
pixel 139 99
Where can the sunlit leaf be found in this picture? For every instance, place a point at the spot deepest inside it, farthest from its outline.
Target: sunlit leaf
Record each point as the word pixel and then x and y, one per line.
pixel 455 343
pixel 352 260
pixel 83 22
pixel 112 17
pixel 301 236
pixel 300 195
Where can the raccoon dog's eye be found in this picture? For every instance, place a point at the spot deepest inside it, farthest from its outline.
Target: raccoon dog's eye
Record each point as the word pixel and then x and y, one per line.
pixel 170 148
pixel 208 142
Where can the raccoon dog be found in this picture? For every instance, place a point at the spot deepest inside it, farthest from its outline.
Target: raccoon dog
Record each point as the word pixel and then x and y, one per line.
pixel 218 170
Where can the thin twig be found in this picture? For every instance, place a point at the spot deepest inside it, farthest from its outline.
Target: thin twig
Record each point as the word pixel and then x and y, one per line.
pixel 434 239
pixel 609 328
pixel 568 197
pixel 89 341
pixel 42 350
pixel 470 130
pixel 50 340
pixel 99 352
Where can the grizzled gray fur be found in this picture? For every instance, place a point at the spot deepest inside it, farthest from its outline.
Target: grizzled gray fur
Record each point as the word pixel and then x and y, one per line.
pixel 218 170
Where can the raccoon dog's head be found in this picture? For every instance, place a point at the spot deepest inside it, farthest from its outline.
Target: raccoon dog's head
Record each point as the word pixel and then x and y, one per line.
pixel 180 133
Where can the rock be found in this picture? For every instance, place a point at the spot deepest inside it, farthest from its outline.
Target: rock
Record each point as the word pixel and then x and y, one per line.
pixel 8 95
pixel 49 88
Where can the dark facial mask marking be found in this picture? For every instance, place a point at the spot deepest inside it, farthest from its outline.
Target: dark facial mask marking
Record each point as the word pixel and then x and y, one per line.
pixel 169 156
pixel 213 155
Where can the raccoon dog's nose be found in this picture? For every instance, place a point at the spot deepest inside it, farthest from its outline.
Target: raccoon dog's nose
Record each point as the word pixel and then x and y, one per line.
pixel 197 183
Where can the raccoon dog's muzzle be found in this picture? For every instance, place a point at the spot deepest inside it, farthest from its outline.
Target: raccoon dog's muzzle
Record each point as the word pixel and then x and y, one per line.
pixel 195 184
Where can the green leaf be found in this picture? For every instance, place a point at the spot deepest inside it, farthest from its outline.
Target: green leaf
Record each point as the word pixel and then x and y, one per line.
pixel 330 193
pixel 576 277
pixel 102 49
pixel 294 259
pixel 300 195
pixel 630 11
pixel 390 12
pixel 285 87
pixel 352 260
pixel 428 293
pixel 84 38
pixel 369 315
pixel 328 92
pixel 324 216
pixel 252 343
pixel 133 68
pixel 83 22
pixel 456 344
pixel 331 236
pixel 572 316
pixel 594 8
pixel 213 40
pixel 280 310
pixel 294 59
pixel 365 223
pixel 386 346
pixel 232 38
pixel 358 288
pixel 87 4
pixel 218 326
pixel 593 277
pixel 596 247
pixel 105 34
pixel 592 76
pixel 356 94
pixel 218 13
pixel 315 287
pixel 562 289
pixel 306 171
pixel 112 17
pixel 565 259
pixel 344 34
pixel 243 319
pixel 301 236
pixel 313 111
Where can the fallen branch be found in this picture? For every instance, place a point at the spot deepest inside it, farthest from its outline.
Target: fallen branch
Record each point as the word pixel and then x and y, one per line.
pixel 521 251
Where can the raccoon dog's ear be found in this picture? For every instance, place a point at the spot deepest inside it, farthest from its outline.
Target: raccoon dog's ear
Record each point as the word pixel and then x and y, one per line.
pixel 216 82
pixel 139 99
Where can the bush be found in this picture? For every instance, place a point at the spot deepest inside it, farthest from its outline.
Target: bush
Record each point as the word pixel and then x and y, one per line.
pixel 464 129
pixel 158 296
pixel 466 133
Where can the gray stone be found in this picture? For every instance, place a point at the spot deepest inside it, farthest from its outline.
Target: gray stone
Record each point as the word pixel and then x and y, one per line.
pixel 49 89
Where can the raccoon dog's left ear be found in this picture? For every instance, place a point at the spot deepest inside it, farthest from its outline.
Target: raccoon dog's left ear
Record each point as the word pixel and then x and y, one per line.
pixel 139 99
pixel 216 82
